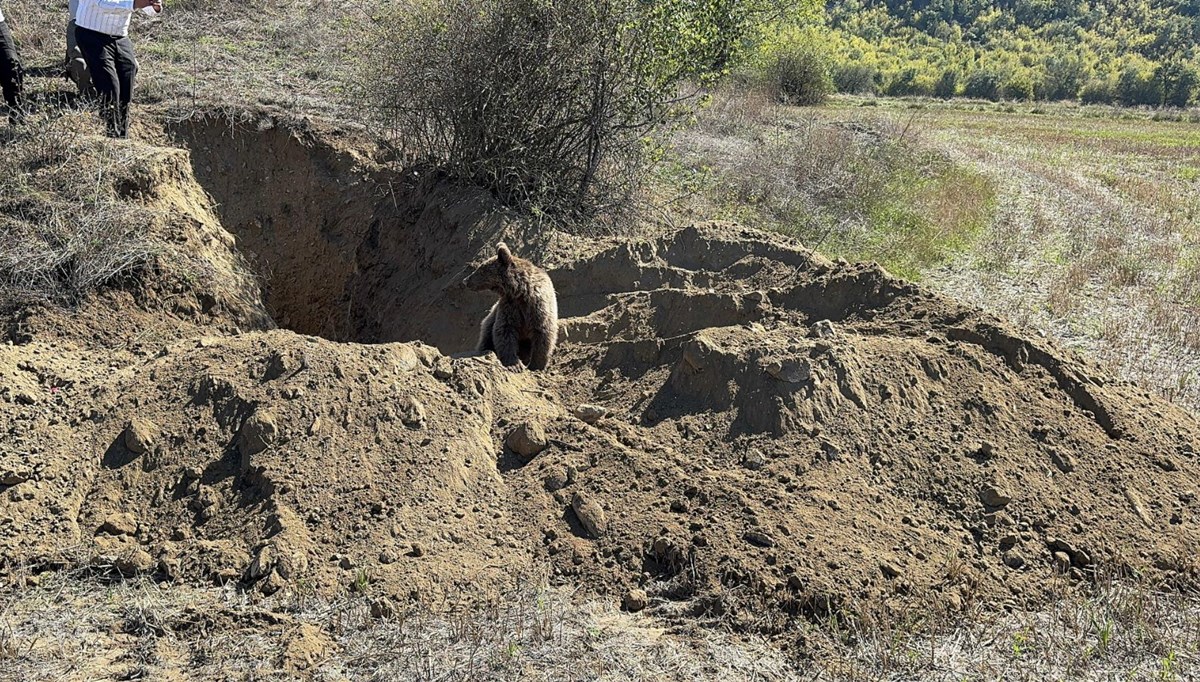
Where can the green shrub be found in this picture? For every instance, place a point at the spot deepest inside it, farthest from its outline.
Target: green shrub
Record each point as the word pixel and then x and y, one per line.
pixel 856 79
pixel 983 84
pixel 1064 74
pixel 1097 91
pixel 947 85
pixel 1020 87
pixel 1137 86
pixel 798 73
pixel 1179 81
pixel 909 82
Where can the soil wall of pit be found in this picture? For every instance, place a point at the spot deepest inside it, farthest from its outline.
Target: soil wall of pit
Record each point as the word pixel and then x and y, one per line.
pixel 346 248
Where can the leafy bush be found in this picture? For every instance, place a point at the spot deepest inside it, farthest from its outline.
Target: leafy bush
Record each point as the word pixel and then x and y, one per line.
pixel 983 84
pixel 855 78
pixel 1064 74
pixel 1019 87
pixel 947 85
pixel 909 81
pixel 797 71
pixel 1136 85
pixel 547 103
pixel 1180 82
pixel 1097 91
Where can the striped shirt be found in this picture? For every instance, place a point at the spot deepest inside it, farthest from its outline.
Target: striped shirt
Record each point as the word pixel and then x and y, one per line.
pixel 105 16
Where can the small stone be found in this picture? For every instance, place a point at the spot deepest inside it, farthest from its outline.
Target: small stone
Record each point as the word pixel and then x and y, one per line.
pixel 263 563
pixel 139 435
pixel 992 496
pixel 137 561
pixel 889 570
pixel 1013 559
pixel 754 459
pixel 555 480
pixel 387 556
pixel 635 600
pixel 987 449
pixel 528 439
pixel 792 371
pixel 1075 555
pixel 416 549
pixel 25 398
pixel 256 435
pixel 590 514
pixel 758 538
pixel 1062 460
pixel 1062 561
pixel 345 562
pixel 11 477
pixel 444 369
pixel 206 504
pixel 833 452
pixel 271 584
pixel 412 412
pixel 590 413
pixel 119 523
pixel 280 363
pixel 823 329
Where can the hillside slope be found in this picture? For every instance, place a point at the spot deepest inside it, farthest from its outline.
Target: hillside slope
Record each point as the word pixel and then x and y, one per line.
pixel 1112 51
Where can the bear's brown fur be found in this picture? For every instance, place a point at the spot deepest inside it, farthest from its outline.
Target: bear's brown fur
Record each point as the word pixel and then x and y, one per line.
pixel 522 327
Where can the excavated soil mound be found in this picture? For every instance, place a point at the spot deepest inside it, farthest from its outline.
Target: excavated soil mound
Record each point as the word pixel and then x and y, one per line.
pixel 733 424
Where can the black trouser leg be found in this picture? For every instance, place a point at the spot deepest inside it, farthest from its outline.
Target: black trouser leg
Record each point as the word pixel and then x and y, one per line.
pixel 113 66
pixel 11 75
pixel 127 68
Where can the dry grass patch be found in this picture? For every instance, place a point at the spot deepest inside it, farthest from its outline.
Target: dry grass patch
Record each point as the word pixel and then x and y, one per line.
pixel 67 226
pixel 75 627
pixel 865 189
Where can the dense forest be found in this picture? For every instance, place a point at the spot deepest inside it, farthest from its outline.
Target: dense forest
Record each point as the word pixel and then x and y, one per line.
pixel 1134 52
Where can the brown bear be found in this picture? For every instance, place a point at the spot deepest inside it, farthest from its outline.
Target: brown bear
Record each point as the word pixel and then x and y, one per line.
pixel 522 327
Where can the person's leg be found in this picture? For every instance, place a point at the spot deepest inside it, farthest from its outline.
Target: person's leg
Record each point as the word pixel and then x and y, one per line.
pixel 11 75
pixel 72 8
pixel 97 52
pixel 127 68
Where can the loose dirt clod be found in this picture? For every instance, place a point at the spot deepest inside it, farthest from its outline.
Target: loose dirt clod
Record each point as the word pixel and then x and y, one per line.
pixel 139 436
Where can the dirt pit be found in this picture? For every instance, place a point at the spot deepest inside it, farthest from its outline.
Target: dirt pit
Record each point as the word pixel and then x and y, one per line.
pixel 737 426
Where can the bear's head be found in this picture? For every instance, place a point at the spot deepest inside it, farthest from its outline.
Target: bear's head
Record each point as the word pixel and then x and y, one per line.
pixel 495 273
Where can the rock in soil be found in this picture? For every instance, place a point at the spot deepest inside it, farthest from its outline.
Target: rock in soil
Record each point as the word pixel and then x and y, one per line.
pixel 527 439
pixel 590 514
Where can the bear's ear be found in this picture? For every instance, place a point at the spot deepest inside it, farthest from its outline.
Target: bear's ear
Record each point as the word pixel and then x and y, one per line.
pixel 503 254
